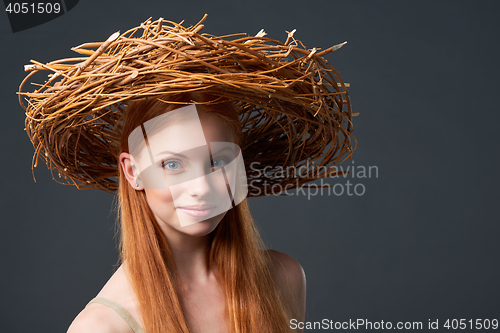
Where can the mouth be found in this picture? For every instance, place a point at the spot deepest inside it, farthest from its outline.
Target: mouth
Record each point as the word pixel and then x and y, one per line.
pixel 198 211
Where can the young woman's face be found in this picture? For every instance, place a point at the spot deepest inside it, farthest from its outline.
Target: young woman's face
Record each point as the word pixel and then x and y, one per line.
pixel 188 169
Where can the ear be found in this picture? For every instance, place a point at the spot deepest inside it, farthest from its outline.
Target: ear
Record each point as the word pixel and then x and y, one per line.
pixel 130 170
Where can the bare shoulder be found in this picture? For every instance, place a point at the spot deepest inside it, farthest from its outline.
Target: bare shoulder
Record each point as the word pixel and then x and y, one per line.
pixel 290 280
pixel 98 318
pixel 287 268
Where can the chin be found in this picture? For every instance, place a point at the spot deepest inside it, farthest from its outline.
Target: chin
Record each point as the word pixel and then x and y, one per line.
pixel 202 228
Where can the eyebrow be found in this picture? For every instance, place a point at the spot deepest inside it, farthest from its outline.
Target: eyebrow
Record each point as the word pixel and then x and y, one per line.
pixel 171 153
pixel 222 149
pixel 184 156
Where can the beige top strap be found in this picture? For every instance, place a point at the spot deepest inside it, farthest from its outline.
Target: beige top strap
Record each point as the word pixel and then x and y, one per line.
pixel 121 311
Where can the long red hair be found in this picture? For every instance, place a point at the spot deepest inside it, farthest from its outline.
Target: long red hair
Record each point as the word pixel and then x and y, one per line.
pixel 237 253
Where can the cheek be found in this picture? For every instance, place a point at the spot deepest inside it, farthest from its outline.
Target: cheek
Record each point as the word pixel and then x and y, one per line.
pixel 160 202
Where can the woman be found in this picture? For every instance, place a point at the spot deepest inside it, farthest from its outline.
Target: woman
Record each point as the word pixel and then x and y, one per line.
pixel 192 260
pixel 185 279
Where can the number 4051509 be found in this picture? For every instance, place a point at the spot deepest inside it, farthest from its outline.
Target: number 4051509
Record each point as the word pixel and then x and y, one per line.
pixel 471 324
pixel 32 8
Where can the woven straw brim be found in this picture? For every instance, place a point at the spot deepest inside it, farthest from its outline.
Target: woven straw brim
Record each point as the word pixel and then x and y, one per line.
pixel 294 108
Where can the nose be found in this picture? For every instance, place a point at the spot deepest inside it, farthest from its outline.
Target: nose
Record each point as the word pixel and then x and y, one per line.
pixel 199 187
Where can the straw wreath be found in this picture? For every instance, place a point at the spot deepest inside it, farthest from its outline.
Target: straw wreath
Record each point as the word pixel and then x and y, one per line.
pixel 294 108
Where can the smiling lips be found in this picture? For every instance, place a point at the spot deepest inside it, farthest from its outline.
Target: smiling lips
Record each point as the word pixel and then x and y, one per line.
pixel 198 211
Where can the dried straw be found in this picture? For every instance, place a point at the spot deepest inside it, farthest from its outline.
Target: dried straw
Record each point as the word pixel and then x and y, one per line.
pixel 293 105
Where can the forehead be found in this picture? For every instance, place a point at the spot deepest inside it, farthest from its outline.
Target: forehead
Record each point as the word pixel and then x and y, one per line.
pixel 180 130
pixel 214 128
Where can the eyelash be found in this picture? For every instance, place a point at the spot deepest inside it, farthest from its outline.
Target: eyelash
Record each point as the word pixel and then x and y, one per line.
pixel 217 159
pixel 165 163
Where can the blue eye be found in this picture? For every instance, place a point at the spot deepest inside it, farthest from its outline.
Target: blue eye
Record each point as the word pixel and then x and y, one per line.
pixel 171 165
pixel 219 162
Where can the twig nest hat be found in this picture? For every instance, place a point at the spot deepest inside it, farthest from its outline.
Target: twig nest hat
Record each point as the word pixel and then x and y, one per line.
pixel 293 106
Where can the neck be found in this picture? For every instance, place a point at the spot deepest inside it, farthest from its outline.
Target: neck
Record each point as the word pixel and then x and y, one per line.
pixel 190 254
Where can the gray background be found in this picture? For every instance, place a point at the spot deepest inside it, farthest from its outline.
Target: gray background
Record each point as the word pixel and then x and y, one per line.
pixel 421 243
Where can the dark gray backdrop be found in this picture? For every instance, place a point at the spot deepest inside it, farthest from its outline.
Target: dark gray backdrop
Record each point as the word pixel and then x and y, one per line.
pixel 421 243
